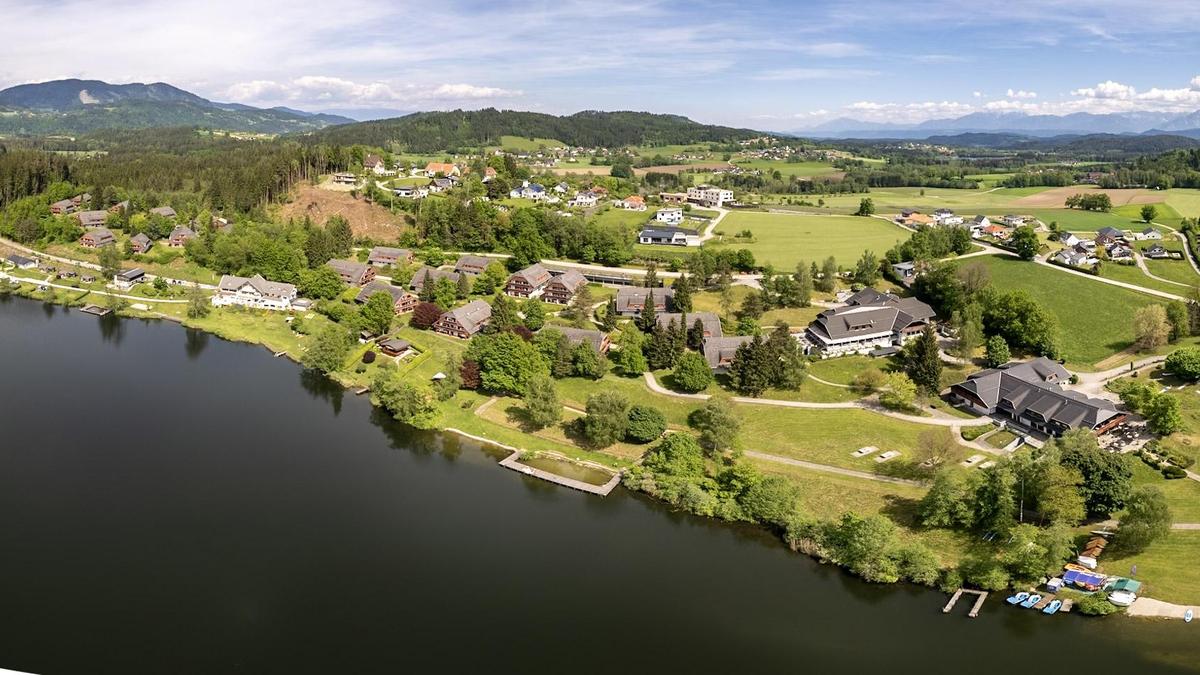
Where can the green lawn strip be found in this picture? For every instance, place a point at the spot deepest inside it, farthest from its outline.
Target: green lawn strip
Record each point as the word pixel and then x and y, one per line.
pixel 783 240
pixel 1167 568
pixel 507 413
pixel 160 261
pixel 1078 220
pixel 844 369
pixel 1132 274
pixel 524 144
pixel 1095 319
pixel 1183 494
pixel 1185 202
pixel 805 169
pixel 1000 439
pixel 258 326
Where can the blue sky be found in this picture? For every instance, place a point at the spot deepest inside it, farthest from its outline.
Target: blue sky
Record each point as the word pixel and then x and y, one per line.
pixel 767 65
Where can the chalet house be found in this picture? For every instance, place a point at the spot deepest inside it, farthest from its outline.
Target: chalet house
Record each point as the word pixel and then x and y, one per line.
pixel 562 288
pixel 669 216
pixel 464 321
pixel 562 188
pixel 528 282
pixel 669 236
pixel 62 207
pixel 220 224
pixel 597 339
pixel 711 322
pixel 442 169
pixel 1157 252
pixel 119 207
pixel 428 274
pixel 164 211
pixel 1074 257
pixel 345 178
pixel 140 243
pixel 376 165
pixel 101 236
pixel 1119 252
pixel 633 203
pixel 353 273
pixel 586 200
pixel 707 195
pixel 472 264
pixel 870 320
pixel 438 185
pixel 180 236
pixel 1109 235
pixel 81 199
pixel 382 256
pixel 21 262
pixel 1030 395
pixel 255 292
pixel 997 231
pixel 631 299
pixel 91 218
pixel 127 279
pixel 402 301
pixel 719 351
pixel 488 174
pixel 1148 234
pixel 395 346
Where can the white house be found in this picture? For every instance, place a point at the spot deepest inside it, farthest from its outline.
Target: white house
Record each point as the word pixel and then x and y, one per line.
pixel 708 195
pixel 254 292
pixel 669 216
pixel 1148 234
pixel 528 190
pixel 670 236
pixel 586 199
pixel 1069 240
pixel 375 164
pixel 946 217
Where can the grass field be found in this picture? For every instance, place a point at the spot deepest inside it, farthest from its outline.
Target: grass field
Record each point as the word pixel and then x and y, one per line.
pixel 803 169
pixel 1095 318
pixel 965 202
pixel 522 144
pixel 1076 220
pixel 1168 568
pixel 784 240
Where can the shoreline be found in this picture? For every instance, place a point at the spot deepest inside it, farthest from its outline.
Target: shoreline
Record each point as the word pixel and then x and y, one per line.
pixel 1148 610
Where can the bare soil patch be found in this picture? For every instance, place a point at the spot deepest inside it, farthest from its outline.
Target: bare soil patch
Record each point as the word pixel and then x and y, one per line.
pixel 1056 198
pixel 366 219
pixel 582 170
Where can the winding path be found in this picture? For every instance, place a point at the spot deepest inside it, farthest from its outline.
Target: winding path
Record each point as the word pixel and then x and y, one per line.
pixel 825 468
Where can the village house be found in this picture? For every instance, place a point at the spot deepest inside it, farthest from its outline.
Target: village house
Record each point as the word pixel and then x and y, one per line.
pixel 127 279
pixel 441 169
pixel 1119 252
pixel 912 218
pixel 870 320
pixel 81 199
pixel 528 282
pixel 561 289
pixel 710 322
pixel 1076 256
pixel 62 207
pixel 1157 252
pixel 180 236
pixel 1030 395
pixel 1069 240
pixel 632 203
pixel 376 165
pixel 255 292
pixel 465 321
pixel 946 218
pixel 1106 236
pixel 707 195
pixel 631 299
pixel 351 272
pixel 1149 234
pixel 598 340
pixel 140 243
pixel 394 347
pixel 101 236
pixel 164 211
pixel 586 200
pixel 427 275
pixel 673 197
pixel 719 351
pixel 489 174
pixel 402 301
pixel 978 223
pixel 998 231
pixel 472 264
pixel 91 218
pixel 562 188
pixel 345 178
pixel 672 216
pixel 1013 221
pixel 528 190
pixel 411 191
pixel 669 236
pixel 21 262
pixel 383 256
pixel 119 207
pixel 905 272
pixel 439 185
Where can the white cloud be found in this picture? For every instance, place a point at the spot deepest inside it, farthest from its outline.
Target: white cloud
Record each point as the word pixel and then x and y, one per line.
pixel 1021 93
pixel 977 94
pixel 325 90
pixel 1106 89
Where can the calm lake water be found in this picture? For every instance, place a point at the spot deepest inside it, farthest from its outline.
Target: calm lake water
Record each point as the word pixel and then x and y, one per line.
pixel 174 503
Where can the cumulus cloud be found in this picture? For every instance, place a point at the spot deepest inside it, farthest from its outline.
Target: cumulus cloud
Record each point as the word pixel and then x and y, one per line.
pixel 1106 89
pixel 320 89
pixel 1021 93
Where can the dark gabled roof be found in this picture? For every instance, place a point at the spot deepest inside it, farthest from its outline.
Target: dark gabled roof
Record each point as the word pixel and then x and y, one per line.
pixel 472 262
pixel 1110 232
pixel 348 268
pixel 380 287
pixel 131 275
pixel 271 289
pixel 19 260
pixel 418 279
pixel 536 275
pixel 1032 389
pixel 628 296
pixel 472 315
pixel 870 312
pixel 666 232
pixel 388 253
pixel 577 335
pixel 710 321
pixel 571 280
pixel 720 349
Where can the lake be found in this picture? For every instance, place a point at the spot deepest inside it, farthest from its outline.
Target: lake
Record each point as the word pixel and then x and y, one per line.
pixel 174 503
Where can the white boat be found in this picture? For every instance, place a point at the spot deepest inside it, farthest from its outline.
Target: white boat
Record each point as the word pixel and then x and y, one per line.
pixel 1121 598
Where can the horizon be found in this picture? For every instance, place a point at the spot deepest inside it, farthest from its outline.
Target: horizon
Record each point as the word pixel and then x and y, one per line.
pixel 744 65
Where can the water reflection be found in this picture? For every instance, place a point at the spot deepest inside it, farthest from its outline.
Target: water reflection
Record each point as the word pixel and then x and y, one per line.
pixel 322 388
pixel 112 328
pixel 194 342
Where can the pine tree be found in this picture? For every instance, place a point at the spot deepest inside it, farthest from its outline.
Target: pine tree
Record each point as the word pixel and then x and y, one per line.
pixel 651 278
pixel 682 299
pixel 922 362
pixel 609 321
pixel 695 335
pixel 804 283
pixel 648 318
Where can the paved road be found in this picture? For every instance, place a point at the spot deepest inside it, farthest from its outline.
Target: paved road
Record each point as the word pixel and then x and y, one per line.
pixel 1040 260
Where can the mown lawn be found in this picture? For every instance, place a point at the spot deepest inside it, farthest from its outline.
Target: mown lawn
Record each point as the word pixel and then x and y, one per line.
pixel 1167 568
pixel 783 240
pixel 1095 319
pixel 768 166
pixel 1077 220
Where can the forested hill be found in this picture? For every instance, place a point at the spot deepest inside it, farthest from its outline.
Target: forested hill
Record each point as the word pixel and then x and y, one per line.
pixel 441 131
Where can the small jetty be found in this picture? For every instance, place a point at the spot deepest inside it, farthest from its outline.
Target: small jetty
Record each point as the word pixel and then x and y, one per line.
pixel 980 597
pixel 361 390
pixel 279 354
pixel 513 462
pixel 97 310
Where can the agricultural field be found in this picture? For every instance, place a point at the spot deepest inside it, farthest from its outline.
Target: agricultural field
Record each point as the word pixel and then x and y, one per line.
pixel 522 144
pixel 803 169
pixel 783 240
pixel 1076 220
pixel 1095 318
pixel 892 200
pixel 1056 197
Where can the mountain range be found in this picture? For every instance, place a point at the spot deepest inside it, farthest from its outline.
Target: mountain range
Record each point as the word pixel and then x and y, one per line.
pixel 1145 122
pixel 80 106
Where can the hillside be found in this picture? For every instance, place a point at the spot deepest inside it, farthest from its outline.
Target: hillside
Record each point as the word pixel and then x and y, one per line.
pixel 82 106
pixel 439 131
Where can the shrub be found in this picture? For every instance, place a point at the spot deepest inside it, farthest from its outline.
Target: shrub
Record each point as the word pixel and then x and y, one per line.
pixel 368 356
pixel 1096 604
pixel 1172 472
pixel 645 424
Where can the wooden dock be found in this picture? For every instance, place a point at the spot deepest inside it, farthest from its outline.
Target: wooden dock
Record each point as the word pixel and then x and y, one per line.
pixel 981 596
pixel 513 462
pixel 97 310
